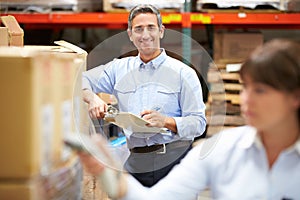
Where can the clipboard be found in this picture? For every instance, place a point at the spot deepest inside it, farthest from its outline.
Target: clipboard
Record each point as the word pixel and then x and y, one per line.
pixel 133 123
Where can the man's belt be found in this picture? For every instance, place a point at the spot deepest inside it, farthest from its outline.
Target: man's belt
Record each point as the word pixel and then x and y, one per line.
pixel 161 148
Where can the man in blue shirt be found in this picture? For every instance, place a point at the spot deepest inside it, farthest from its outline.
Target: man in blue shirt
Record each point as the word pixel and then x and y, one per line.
pixel 161 89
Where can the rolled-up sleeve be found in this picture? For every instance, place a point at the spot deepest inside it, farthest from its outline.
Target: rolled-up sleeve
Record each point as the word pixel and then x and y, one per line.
pixel 87 79
pixel 98 79
pixel 193 120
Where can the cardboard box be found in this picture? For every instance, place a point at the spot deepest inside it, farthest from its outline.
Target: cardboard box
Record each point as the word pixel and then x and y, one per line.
pixel 27 104
pixel 80 117
pixel 70 113
pixel 235 46
pixel 15 32
pixel 26 190
pixel 35 112
pixel 68 69
pixel 63 183
pixel 3 36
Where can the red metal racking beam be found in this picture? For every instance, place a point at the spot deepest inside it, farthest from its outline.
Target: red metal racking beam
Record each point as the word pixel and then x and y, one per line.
pixel 246 18
pixel 178 19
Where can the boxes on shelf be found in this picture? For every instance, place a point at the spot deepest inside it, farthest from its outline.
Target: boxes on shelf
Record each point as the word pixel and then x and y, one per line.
pixel 291 5
pixel 126 5
pixel 235 46
pixel 272 5
pixel 38 88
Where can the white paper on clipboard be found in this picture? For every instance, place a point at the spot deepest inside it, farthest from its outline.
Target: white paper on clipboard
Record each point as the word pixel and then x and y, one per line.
pixel 134 123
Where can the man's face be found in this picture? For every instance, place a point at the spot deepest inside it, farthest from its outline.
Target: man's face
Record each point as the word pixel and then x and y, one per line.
pixel 146 35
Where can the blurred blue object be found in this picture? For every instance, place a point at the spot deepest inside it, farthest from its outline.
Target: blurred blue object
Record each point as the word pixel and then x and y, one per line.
pixel 118 141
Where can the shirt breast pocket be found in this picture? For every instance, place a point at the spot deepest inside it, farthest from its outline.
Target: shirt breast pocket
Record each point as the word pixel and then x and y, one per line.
pixel 124 94
pixel 168 100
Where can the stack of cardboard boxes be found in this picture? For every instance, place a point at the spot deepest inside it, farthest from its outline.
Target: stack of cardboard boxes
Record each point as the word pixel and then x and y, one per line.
pixel 41 101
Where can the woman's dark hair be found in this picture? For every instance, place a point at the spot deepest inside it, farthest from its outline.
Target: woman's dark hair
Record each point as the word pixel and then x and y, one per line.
pixel 144 8
pixel 277 64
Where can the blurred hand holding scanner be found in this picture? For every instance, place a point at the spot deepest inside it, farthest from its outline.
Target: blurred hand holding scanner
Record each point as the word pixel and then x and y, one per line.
pixel 98 147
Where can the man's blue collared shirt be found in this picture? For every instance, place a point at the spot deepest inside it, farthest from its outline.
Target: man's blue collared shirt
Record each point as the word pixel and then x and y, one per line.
pixel 164 84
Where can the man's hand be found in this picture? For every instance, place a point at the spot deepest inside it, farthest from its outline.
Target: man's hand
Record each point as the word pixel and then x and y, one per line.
pixel 96 106
pixel 156 119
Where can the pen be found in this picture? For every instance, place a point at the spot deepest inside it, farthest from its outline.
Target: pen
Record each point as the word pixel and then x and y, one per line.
pixel 155 108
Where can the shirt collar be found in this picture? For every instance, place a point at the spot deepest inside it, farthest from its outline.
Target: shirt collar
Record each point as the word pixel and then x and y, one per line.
pixel 253 139
pixel 248 139
pixel 156 62
pixel 297 145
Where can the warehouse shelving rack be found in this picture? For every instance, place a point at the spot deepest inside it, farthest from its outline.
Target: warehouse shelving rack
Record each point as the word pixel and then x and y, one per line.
pixel 189 19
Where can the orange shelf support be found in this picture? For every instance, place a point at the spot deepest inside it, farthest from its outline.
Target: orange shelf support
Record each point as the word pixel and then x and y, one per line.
pixel 186 20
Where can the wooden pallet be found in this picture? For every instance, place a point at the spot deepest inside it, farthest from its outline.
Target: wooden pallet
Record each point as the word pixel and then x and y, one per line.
pixel 217 76
pixel 223 105
pixel 232 98
pixel 222 108
pixel 221 64
pixel 225 87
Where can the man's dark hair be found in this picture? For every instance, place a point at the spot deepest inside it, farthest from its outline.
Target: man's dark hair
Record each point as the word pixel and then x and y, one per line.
pixel 144 8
